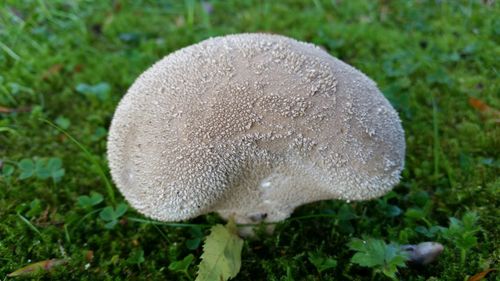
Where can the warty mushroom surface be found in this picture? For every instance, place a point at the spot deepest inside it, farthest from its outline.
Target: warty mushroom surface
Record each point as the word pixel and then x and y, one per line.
pixel 252 126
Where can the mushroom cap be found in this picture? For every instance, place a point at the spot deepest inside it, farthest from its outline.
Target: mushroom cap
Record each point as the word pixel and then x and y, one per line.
pixel 252 126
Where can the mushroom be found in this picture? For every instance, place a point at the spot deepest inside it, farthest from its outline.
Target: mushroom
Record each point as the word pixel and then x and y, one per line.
pixel 423 253
pixel 252 126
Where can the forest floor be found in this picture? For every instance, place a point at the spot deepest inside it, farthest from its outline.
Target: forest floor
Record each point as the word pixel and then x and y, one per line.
pixel 68 63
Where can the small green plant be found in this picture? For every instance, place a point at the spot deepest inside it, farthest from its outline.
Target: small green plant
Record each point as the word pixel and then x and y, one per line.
pixel 41 168
pixel 99 91
pixel 462 233
pixel 111 215
pixel 99 134
pixel 35 208
pixel 7 171
pixel 376 254
pixel 8 130
pixel 344 219
pixel 182 266
pixel 428 232
pixel 30 210
pixel 87 201
pixel 91 158
pixel 321 262
pixel 194 243
pixel 387 209
pixel 63 122
pixel 136 257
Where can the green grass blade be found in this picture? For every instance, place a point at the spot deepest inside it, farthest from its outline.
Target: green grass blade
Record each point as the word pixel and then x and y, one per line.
pixel 29 224
pixel 90 157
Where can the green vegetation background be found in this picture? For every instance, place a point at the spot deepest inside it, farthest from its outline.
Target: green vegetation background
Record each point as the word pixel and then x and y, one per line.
pixel 70 62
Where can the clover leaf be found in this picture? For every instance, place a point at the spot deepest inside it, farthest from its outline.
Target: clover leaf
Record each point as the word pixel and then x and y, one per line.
pixel 89 201
pixel 111 215
pixel 27 168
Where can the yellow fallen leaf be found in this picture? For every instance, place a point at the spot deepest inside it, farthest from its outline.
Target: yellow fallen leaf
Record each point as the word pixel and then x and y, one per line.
pixel 221 258
pixel 37 267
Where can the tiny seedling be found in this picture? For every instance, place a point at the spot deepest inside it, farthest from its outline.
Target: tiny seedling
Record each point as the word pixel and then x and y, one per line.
pixel 182 266
pixel 194 243
pixel 35 208
pixel 55 170
pixel 99 134
pixel 111 215
pixel 27 168
pixel 63 122
pixel 7 171
pixel 413 215
pixel 136 257
pixel 462 233
pixel 87 201
pixel 387 209
pixel 376 254
pixel 344 217
pixel 428 232
pixel 99 91
pixel 322 262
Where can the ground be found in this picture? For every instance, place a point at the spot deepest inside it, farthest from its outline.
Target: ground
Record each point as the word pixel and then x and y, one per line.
pixel 68 63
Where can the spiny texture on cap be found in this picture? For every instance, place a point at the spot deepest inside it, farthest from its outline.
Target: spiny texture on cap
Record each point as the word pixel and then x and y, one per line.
pixel 252 125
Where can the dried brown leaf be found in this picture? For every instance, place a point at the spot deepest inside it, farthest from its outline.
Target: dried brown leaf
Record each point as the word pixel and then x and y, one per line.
pixel 484 108
pixel 51 71
pixel 89 255
pixel 37 267
pixel 12 110
pixel 481 275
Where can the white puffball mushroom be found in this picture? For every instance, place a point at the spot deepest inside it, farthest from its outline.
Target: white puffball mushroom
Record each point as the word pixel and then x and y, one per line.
pixel 252 126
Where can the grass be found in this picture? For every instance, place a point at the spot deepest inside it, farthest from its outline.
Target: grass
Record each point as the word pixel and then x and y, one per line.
pixel 69 62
